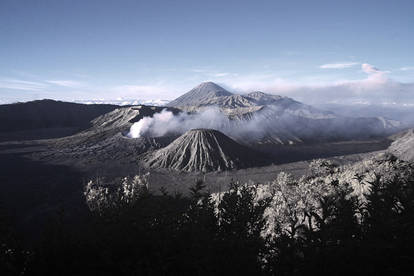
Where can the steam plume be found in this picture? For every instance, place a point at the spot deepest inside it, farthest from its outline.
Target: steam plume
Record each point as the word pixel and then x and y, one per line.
pixel 275 123
pixel 166 123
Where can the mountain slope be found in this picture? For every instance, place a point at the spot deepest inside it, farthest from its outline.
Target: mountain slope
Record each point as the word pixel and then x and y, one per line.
pixel 203 150
pixel 403 145
pixel 108 128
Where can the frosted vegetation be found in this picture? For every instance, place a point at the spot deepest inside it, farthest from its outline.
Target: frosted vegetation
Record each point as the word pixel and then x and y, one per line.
pixel 102 195
pixel 336 220
pixel 292 204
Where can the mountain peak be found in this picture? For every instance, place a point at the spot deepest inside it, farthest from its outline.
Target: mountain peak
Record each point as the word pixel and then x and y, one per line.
pixel 210 85
pixel 202 92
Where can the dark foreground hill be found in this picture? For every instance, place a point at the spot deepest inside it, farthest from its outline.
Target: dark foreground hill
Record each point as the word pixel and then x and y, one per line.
pixel 204 150
pixel 48 118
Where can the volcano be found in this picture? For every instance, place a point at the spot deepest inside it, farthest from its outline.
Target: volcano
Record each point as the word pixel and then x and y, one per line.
pixel 280 120
pixel 203 150
pixel 203 92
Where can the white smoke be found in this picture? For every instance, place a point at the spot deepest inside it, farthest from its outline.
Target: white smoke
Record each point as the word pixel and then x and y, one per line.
pixel 283 125
pixel 158 124
pixel 166 122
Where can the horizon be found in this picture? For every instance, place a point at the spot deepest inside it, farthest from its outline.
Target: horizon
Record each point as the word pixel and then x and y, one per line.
pixel 319 52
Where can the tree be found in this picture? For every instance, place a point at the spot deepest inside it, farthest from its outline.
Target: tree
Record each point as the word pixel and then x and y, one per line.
pixel 241 223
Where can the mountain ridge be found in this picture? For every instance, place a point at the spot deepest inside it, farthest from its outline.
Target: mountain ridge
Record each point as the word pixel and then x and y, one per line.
pixel 283 119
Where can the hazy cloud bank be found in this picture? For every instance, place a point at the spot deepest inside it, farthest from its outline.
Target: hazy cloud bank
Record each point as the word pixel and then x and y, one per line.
pixel 166 122
pixel 376 88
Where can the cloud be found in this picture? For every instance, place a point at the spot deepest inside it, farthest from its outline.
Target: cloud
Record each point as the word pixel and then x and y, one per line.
pixel 408 68
pixel 369 69
pixel 375 88
pixel 65 83
pixel 22 85
pixel 338 65
pixel 263 82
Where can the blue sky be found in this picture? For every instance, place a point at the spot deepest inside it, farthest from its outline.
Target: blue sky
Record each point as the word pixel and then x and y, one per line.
pixel 71 50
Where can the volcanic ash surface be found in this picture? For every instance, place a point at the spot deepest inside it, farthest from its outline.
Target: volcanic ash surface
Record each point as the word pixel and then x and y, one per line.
pixel 203 150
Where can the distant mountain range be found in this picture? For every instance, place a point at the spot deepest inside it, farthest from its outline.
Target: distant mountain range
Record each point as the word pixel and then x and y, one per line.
pixel 279 119
pixel 255 118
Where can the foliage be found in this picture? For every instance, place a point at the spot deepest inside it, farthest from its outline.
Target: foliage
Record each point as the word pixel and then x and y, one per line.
pixel 317 224
pixel 101 195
